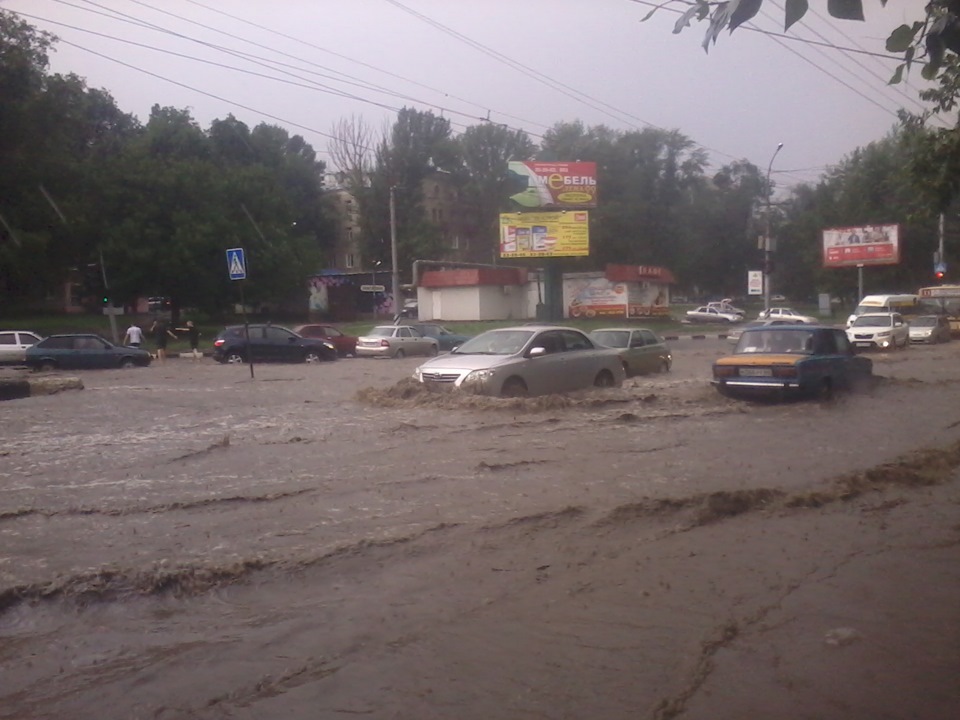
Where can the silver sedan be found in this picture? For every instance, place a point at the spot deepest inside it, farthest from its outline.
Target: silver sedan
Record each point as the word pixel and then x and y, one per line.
pixel 395 341
pixel 525 360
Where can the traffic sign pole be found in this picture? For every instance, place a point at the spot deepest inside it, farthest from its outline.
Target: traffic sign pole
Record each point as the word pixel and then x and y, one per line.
pixel 237 270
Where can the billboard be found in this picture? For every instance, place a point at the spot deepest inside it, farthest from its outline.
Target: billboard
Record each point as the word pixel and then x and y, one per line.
pixel 861 245
pixel 754 282
pixel 533 184
pixel 542 235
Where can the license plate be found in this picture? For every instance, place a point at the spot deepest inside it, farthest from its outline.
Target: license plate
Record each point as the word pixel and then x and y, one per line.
pixel 863 344
pixel 756 372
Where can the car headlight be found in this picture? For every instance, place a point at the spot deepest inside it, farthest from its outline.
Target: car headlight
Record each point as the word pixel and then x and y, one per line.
pixel 883 333
pixel 477 377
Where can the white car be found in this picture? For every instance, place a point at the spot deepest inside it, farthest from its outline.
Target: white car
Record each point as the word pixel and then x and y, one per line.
pixel 14 344
pixel 522 361
pixel 395 341
pixel 785 313
pixel 705 313
pixel 886 331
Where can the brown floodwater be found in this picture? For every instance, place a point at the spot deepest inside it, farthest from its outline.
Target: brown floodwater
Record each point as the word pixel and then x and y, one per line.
pixel 330 541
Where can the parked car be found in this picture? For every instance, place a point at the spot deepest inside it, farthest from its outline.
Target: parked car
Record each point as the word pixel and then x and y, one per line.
pixel 808 360
pixel 735 334
pixel 445 339
pixel 707 314
pixel 395 341
pixel 410 309
pixel 345 344
pixel 83 351
pixel 14 344
pixel 785 313
pixel 930 329
pixel 641 350
pixel 524 360
pixel 886 331
pixel 726 305
pixel 269 343
pixel 778 298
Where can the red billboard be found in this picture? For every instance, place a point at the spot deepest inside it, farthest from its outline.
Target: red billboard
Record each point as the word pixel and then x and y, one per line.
pixel 861 245
pixel 533 184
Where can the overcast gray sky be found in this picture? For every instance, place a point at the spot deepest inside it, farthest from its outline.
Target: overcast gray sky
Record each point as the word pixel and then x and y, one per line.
pixel 304 64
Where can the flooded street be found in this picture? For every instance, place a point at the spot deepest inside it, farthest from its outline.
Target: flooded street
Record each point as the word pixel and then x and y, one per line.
pixel 329 541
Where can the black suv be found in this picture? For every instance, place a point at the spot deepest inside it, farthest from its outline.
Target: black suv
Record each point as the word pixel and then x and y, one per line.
pixel 269 343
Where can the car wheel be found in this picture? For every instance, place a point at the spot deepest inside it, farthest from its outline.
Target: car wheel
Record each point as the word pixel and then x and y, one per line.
pixel 47 366
pixel 514 387
pixel 604 379
pixel 626 368
pixel 664 365
pixel 233 358
pixel 824 390
pixel 126 363
pixel 400 354
pixel 311 356
pixel 434 350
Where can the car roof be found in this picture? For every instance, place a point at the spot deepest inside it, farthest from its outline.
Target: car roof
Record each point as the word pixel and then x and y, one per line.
pixel 535 327
pixel 620 329
pixel 877 314
pixel 789 328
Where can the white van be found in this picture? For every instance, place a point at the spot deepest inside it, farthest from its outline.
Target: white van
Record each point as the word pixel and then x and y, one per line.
pixel 906 305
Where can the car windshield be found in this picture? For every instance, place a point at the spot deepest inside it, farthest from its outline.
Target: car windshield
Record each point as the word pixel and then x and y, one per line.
pixel 876 321
pixel 776 341
pixel 496 342
pixel 612 338
pixel 925 321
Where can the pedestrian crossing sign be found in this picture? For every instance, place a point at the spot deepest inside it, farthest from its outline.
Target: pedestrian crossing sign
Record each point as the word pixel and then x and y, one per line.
pixel 236 264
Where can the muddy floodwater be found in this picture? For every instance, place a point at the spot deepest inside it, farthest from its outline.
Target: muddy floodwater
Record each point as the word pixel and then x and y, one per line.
pixel 328 541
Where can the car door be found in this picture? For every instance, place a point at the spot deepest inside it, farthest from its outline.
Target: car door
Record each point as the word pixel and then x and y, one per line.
pixel 579 361
pixel 650 351
pixel 89 353
pixel 547 373
pixel 282 345
pixel 258 349
pixel 9 347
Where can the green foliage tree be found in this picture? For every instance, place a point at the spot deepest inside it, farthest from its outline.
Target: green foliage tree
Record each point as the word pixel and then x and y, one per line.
pixel 485 151
pixel 418 145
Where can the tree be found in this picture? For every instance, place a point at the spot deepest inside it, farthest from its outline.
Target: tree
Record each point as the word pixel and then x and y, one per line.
pixel 485 151
pixel 418 144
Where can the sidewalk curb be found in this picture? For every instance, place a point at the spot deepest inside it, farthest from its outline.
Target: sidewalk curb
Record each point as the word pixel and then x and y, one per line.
pixel 18 389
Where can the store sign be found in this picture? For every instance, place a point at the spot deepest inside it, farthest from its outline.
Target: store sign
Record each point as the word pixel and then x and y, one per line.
pixel 540 235
pixel 535 185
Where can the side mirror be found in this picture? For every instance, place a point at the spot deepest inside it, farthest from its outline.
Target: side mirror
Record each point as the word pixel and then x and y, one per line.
pixel 537 352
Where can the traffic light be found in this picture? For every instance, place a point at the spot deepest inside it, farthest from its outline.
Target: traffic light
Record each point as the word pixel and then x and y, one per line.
pixel 939 274
pixel 768 264
pixel 106 299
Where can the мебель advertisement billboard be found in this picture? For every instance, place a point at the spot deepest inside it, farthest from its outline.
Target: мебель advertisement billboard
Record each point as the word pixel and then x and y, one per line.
pixel 861 245
pixel 548 234
pixel 547 185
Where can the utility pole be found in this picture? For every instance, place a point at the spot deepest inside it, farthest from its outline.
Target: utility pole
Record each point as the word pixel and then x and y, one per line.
pixel 395 279
pixel 767 249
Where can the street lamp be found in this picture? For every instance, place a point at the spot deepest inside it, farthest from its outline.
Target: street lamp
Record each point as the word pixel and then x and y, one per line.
pixel 766 237
pixel 375 303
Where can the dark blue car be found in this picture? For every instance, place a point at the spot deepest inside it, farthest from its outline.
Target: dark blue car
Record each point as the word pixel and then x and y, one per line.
pixel 83 352
pixel 775 361
pixel 445 339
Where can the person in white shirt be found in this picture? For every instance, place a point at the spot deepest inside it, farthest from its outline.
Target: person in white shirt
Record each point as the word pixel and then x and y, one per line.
pixel 134 336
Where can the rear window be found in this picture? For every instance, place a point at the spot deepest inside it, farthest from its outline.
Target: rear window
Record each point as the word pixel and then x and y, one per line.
pixel 56 343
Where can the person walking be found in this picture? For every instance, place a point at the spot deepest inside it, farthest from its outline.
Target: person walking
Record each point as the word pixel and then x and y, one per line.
pixel 160 334
pixel 193 335
pixel 133 336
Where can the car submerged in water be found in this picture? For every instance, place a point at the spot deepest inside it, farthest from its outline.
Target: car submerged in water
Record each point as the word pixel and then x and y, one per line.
pixel 779 361
pixel 522 361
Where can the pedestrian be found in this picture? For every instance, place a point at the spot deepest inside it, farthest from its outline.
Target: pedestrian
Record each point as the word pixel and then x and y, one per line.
pixel 193 334
pixel 160 334
pixel 133 336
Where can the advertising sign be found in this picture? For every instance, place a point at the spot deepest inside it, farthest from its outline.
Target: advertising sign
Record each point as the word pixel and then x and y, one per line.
pixel 589 297
pixel 535 185
pixel 541 235
pixel 755 282
pixel 861 245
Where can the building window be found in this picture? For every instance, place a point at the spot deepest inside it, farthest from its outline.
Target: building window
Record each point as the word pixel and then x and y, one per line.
pixel 439 213
pixel 436 191
pixel 455 242
pixel 349 260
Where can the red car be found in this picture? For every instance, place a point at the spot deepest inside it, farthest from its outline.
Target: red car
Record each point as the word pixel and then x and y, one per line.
pixel 345 344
